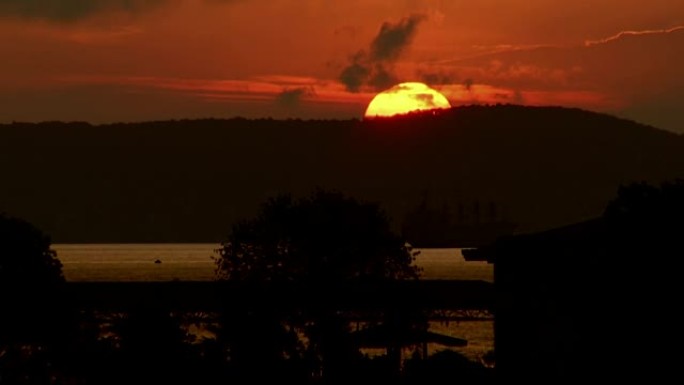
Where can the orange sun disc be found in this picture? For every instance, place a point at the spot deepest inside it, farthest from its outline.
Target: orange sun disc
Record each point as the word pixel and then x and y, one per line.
pixel 404 98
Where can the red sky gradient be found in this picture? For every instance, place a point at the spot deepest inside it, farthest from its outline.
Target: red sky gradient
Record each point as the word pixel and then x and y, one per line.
pixel 131 60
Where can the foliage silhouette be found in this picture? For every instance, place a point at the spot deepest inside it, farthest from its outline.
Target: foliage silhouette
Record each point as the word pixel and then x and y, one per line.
pixel 446 364
pixel 644 221
pixel 153 347
pixel 36 325
pixel 326 237
pixel 646 224
pixel 612 282
pixel 318 241
pixel 25 254
pixel 656 212
pixel 260 345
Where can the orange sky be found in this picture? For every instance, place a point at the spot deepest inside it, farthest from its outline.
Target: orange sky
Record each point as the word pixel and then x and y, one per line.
pixel 129 60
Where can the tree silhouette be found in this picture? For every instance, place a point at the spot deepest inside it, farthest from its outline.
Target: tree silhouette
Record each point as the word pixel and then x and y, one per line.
pixel 25 254
pixel 325 237
pixel 320 240
pixel 657 211
pixel 635 265
pixel 34 324
pixel 646 221
pixel 152 347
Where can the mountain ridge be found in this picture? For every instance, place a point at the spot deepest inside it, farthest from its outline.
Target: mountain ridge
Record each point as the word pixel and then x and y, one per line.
pixel 189 180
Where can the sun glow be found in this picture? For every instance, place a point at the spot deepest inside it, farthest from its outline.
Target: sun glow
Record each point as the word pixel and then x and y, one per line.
pixel 404 98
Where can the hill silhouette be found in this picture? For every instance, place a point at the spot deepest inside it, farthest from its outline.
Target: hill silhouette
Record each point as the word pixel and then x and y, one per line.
pixel 190 180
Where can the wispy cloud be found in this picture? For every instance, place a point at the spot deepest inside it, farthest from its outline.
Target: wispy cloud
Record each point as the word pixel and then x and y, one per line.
pixel 624 34
pixel 273 88
pixel 630 73
pixel 90 36
pixel 489 94
pixel 71 10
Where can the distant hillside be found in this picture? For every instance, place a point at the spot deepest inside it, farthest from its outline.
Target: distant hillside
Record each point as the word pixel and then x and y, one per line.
pixel 187 181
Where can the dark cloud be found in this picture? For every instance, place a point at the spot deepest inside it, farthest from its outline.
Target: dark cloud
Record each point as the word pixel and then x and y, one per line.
pixel 382 78
pixel 374 67
pixel 70 10
pixel 428 99
pixel 292 97
pixel 356 73
pixel 436 77
pixel 394 38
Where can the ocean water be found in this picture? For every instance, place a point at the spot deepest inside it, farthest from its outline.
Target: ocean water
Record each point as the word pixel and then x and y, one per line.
pixel 136 262
pixel 196 262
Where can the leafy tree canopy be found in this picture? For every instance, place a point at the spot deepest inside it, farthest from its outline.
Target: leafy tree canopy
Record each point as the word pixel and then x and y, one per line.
pixel 652 214
pixel 644 202
pixel 645 224
pixel 25 254
pixel 324 237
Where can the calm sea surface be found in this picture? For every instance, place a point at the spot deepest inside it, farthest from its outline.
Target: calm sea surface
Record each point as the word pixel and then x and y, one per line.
pixel 195 262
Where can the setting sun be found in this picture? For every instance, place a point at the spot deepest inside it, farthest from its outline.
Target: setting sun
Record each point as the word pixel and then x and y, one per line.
pixel 404 98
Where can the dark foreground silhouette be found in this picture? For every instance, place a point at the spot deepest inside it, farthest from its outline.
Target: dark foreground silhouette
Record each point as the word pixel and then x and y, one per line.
pixel 296 278
pixel 598 301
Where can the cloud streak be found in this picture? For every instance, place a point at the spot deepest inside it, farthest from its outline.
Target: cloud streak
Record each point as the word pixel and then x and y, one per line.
pixel 634 74
pixel 70 10
pixel 374 67
pixel 624 34
pixel 285 91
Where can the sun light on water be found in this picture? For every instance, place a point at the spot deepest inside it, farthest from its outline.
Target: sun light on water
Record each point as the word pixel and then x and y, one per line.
pixel 404 98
